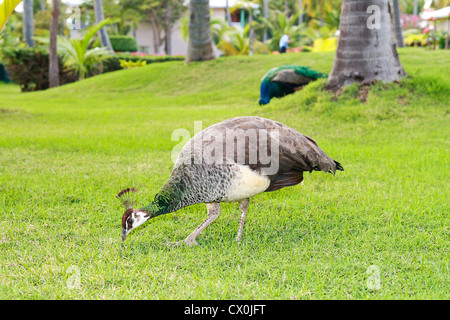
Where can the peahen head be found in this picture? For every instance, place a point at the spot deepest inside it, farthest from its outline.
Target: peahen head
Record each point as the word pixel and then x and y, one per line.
pixel 131 219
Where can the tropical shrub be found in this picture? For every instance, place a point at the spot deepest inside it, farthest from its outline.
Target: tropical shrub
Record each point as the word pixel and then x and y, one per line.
pixel 237 42
pixel 441 37
pixel 219 27
pixel 78 54
pixel 28 67
pixel 415 40
pixel 123 43
pixel 410 21
pixel 112 63
pixel 129 64
pixel 278 24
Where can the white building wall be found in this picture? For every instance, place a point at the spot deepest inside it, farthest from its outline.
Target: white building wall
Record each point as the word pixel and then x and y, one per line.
pixel 144 37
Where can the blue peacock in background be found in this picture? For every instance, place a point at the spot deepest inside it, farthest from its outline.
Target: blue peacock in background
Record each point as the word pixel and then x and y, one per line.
pixel 280 81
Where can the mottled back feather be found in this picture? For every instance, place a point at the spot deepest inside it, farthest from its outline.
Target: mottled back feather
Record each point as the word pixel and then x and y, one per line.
pixel 297 152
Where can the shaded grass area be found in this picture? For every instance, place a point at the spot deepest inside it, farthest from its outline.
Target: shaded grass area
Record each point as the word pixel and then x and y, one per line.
pixel 66 152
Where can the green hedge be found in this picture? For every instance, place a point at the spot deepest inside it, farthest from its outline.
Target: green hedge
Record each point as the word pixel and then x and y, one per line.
pixel 113 63
pixel 123 43
pixel 28 67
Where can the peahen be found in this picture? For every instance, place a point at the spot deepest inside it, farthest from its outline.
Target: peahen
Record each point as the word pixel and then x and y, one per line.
pixel 232 161
pixel 278 82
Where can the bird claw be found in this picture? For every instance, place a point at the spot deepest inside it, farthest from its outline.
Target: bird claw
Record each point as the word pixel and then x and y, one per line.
pixel 191 242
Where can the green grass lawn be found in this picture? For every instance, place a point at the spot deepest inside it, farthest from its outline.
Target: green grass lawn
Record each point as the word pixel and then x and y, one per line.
pixel 66 152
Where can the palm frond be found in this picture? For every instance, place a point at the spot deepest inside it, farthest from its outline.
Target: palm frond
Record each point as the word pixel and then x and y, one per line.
pixel 6 8
pixel 76 54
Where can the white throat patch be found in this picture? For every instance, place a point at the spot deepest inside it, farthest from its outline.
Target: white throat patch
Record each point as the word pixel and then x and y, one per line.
pixel 138 218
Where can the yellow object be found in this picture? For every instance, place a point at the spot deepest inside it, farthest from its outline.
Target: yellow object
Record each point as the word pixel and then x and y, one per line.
pixel 325 45
pixel 130 64
pixel 416 40
pixel 6 8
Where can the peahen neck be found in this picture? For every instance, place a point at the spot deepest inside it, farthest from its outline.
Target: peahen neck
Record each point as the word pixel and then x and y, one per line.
pixel 177 193
pixel 165 201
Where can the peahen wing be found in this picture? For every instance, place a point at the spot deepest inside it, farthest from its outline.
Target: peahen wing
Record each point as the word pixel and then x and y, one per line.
pixel 295 154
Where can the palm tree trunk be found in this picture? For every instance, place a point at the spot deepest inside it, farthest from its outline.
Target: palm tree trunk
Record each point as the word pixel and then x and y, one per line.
pixel 53 72
pixel 99 16
pixel 28 22
pixel 156 35
pixel 200 41
pixel 397 24
pixel 320 4
pixel 227 12
pixel 250 31
pixel 300 16
pixel 266 15
pixel 168 31
pixel 366 50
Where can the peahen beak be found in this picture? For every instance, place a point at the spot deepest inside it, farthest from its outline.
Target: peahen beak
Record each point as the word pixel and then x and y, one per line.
pixel 124 234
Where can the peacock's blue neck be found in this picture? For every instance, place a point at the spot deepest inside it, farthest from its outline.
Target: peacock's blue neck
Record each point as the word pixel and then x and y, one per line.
pixel 265 97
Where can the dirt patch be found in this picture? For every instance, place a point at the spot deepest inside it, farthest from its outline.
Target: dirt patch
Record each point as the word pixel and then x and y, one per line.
pixel 363 92
pixel 9 111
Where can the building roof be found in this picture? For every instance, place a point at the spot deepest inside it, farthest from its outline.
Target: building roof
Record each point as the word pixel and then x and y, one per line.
pixel 221 4
pixel 438 14
pixel 231 3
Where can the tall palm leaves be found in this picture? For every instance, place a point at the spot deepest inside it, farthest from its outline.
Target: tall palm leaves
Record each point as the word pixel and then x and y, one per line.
pixel 279 24
pixel 77 54
pixel 6 8
pixel 441 3
pixel 236 41
pixel 325 11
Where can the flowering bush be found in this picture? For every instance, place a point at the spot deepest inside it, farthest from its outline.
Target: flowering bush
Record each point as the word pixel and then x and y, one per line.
pixel 410 21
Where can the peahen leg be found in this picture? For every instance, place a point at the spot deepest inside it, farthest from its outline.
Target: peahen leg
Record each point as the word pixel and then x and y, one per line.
pixel 243 205
pixel 213 213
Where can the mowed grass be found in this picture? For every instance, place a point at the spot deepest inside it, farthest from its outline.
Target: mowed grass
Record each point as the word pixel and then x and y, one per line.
pixel 379 230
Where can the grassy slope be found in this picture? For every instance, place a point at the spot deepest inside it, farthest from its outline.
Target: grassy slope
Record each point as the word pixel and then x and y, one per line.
pixel 65 153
